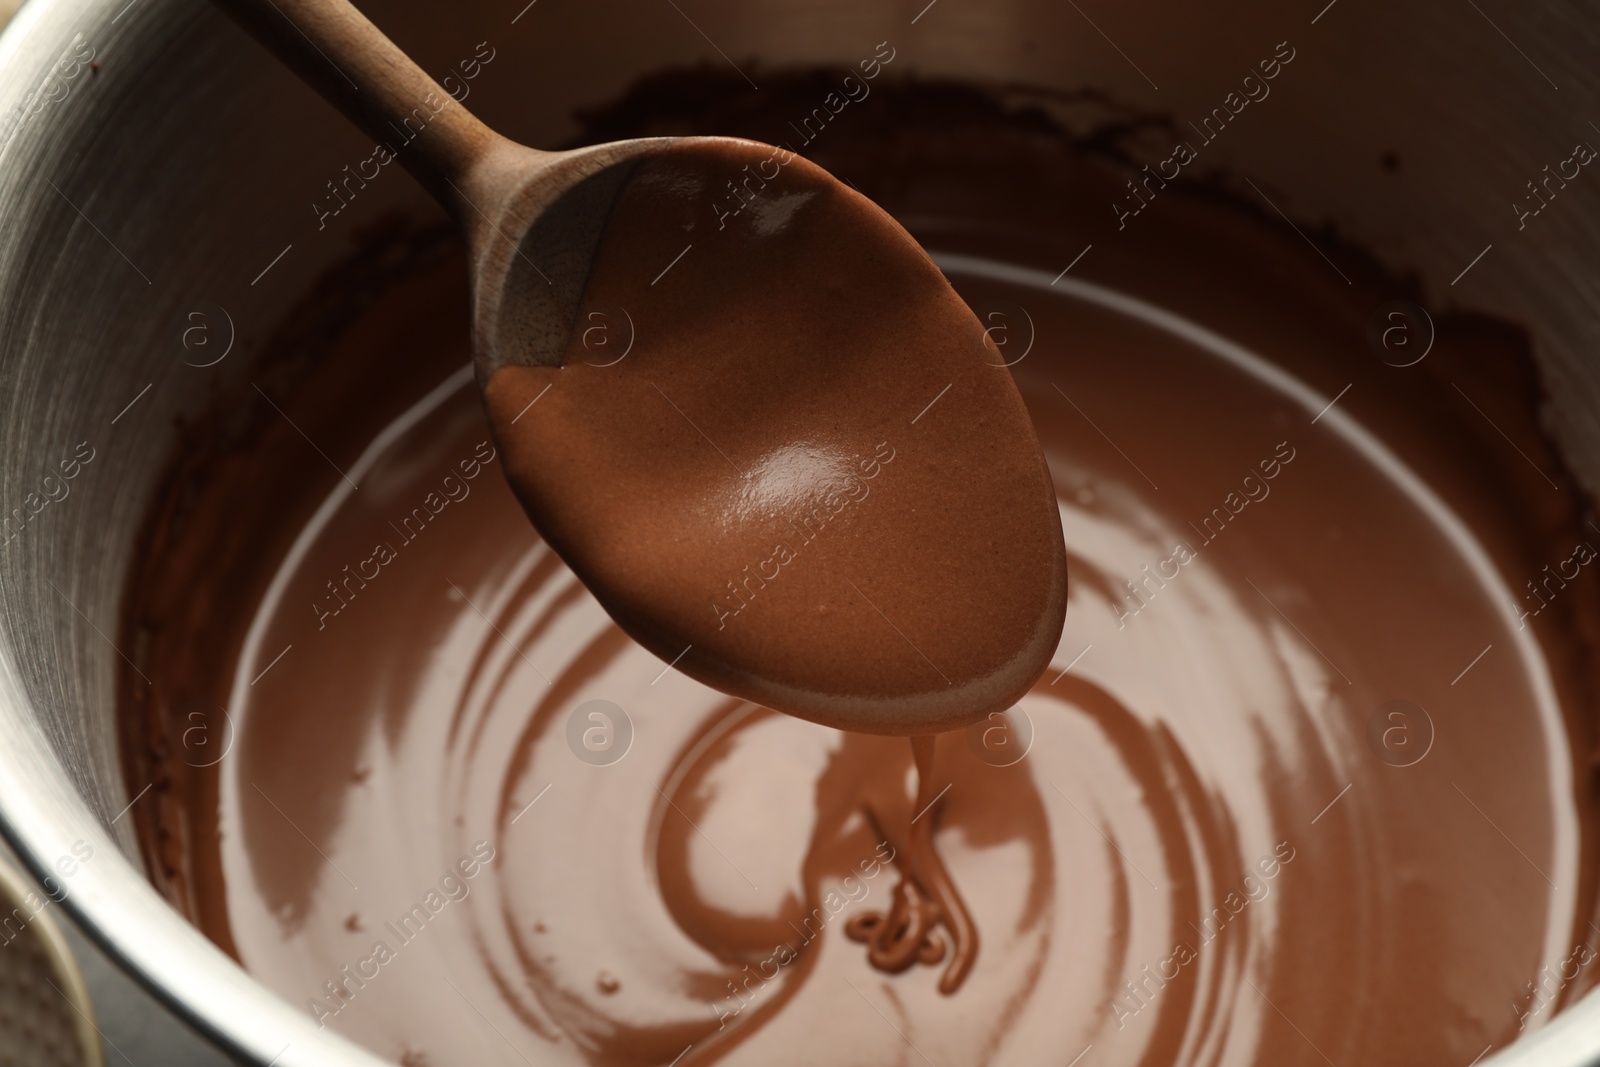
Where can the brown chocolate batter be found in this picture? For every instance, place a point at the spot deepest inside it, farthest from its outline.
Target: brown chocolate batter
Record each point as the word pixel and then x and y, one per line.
pixel 465 819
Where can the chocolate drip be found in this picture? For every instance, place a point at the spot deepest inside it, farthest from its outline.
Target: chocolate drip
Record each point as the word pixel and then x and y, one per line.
pixel 924 899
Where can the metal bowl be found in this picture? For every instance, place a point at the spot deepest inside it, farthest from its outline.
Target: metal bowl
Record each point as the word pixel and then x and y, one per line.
pixel 154 162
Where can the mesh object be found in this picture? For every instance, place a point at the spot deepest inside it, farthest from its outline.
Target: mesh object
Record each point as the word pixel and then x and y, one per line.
pixel 45 1016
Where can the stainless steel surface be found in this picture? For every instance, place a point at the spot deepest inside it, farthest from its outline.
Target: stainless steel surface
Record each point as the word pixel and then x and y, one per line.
pixel 183 167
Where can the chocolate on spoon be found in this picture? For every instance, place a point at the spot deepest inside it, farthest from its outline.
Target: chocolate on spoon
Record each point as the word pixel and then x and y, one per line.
pixel 796 468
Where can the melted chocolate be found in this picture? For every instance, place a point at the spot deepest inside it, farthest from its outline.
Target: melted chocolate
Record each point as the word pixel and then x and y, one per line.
pixel 459 793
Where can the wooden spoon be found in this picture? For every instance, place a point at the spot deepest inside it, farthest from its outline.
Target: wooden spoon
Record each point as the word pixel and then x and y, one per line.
pixel 739 401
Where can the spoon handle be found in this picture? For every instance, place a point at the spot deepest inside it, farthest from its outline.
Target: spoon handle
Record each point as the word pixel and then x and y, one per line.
pixel 337 51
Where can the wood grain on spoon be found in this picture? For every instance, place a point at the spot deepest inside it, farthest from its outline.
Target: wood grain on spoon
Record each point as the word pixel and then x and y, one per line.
pixel 808 482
